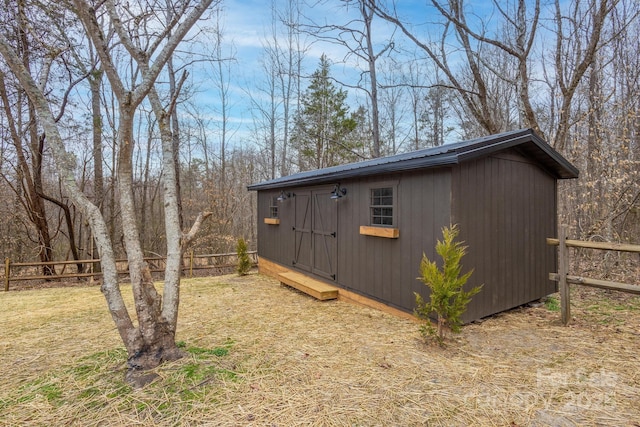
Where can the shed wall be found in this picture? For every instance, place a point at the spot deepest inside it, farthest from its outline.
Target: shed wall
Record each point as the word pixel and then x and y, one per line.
pixel 275 242
pixel 386 269
pixel 379 268
pixel 506 208
pixel 504 204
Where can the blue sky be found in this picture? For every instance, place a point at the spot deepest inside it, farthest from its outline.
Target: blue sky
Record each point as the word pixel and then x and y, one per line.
pixel 246 24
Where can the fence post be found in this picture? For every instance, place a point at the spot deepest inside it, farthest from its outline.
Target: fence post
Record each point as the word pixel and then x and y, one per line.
pixel 191 265
pixel 7 273
pixel 563 270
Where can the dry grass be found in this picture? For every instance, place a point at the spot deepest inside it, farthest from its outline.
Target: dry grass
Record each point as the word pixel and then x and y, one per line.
pixel 265 355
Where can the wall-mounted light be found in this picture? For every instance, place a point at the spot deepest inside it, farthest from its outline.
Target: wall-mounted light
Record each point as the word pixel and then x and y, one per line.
pixel 338 192
pixel 283 196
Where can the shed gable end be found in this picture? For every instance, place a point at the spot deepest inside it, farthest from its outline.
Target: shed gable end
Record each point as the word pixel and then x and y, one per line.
pixel 505 205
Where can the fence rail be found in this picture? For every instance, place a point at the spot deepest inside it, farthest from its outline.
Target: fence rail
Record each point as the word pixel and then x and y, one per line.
pixel 190 262
pixel 564 278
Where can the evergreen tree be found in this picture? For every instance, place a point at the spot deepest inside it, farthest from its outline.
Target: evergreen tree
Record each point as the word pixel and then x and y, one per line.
pixel 244 262
pixel 322 127
pixel 448 299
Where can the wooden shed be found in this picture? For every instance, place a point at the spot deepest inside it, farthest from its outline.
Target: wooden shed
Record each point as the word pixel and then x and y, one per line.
pixel 363 227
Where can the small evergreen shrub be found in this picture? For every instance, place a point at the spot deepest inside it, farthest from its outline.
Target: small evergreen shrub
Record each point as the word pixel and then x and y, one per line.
pixel 447 300
pixel 244 262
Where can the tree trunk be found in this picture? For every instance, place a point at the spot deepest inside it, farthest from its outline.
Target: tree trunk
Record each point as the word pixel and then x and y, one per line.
pixel 171 290
pixel 70 229
pixel 157 344
pixel 152 341
pixel 66 165
pixel 175 141
pixel 30 180
pixel 95 80
pixel 155 334
pixel 367 16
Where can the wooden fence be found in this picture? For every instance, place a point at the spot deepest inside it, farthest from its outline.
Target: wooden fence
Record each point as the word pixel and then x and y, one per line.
pixel 18 271
pixel 564 278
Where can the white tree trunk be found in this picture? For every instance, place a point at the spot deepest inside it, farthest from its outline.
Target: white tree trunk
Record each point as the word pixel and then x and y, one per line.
pixel 66 163
pixel 152 341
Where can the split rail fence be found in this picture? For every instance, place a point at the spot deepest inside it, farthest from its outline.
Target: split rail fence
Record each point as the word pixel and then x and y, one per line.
pixel 20 271
pixel 564 278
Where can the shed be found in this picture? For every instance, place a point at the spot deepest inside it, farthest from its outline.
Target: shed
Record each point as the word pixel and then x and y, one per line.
pixel 363 227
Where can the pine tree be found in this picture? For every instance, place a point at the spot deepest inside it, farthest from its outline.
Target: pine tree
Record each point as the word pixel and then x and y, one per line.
pixel 448 299
pixel 322 127
pixel 244 262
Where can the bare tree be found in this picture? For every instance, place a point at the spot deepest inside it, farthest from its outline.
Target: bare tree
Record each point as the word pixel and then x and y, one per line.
pixel 265 113
pixel 174 90
pixel 152 340
pixel 357 36
pixel 221 71
pixel 28 186
pixel 603 135
pixel 585 45
pixel 393 109
pixel 289 59
pixel 24 134
pixel 95 83
pixel 474 92
pixel 278 90
pixel 515 41
pixel 414 76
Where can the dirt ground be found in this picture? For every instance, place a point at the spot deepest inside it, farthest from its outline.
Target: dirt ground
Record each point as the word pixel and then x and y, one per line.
pixel 291 360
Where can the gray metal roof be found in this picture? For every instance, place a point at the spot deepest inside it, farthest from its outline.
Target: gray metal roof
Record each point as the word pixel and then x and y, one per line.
pixel 525 140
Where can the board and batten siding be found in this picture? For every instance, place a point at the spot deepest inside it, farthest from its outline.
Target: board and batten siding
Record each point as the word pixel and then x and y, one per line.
pixel 501 190
pixel 380 268
pixel 275 240
pixel 505 206
pixel 386 269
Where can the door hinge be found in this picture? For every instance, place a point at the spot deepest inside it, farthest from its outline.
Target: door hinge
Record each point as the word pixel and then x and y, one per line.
pixel 333 276
pixel 293 228
pixel 333 234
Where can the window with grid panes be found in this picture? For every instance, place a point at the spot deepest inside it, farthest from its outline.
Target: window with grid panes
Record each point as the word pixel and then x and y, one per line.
pixel 273 207
pixel 381 206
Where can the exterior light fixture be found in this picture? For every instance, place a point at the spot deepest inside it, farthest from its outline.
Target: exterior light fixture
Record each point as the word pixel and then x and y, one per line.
pixel 283 196
pixel 338 192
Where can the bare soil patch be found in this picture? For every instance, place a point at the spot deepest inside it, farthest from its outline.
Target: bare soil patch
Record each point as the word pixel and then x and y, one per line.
pixel 265 355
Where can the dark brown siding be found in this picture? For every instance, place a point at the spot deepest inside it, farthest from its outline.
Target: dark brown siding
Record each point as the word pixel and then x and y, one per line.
pixel 386 269
pixel 275 242
pixel 506 208
pixel 504 204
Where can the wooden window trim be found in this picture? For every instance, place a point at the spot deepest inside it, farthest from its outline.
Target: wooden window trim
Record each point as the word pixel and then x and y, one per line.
pixel 378 231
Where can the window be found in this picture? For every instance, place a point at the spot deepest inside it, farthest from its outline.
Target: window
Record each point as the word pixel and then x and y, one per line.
pixel 273 218
pixel 383 211
pixel 273 207
pixel 381 206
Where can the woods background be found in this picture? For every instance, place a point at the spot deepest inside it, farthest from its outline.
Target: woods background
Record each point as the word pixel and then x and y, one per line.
pixel 373 81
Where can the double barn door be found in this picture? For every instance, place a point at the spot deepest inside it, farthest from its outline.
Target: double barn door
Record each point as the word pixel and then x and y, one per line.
pixel 315 229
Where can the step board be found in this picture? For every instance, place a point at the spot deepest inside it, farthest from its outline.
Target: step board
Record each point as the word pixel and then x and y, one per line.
pixel 306 284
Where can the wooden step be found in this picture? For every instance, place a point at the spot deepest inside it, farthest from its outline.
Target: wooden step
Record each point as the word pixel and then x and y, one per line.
pixel 306 284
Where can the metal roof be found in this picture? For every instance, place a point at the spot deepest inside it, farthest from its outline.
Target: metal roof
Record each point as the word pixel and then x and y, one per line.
pixel 524 140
